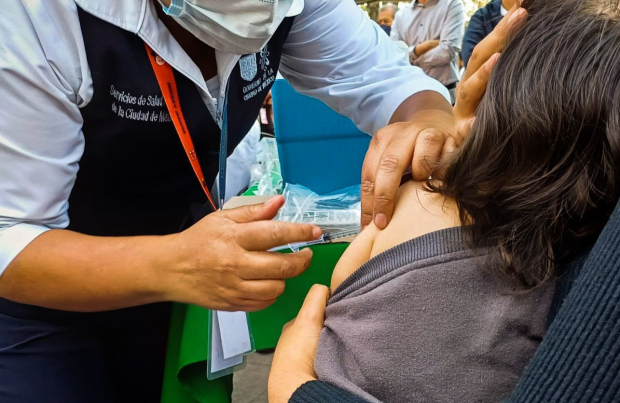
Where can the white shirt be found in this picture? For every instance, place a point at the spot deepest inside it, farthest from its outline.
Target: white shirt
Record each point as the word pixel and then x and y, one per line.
pixel 334 53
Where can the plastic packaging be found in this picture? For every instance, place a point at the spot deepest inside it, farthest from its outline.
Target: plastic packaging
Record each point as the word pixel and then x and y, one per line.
pixel 266 174
pixel 334 212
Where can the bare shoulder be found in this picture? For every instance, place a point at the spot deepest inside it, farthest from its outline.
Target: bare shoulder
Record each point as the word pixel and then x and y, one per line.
pixel 416 213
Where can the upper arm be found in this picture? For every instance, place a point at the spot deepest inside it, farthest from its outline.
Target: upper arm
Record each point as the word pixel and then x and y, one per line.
pixel 335 53
pixel 354 256
pixel 40 129
pixel 416 212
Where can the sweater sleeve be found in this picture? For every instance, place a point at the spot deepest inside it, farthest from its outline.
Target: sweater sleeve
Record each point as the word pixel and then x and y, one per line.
pixel 323 392
pixel 579 358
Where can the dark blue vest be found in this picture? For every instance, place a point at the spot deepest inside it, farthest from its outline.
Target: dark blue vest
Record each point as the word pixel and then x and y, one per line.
pixel 134 176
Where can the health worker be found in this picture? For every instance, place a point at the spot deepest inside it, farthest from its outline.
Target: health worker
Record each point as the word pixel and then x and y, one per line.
pixel 115 117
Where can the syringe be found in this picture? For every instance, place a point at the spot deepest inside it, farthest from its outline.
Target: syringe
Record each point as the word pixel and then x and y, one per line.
pixel 324 239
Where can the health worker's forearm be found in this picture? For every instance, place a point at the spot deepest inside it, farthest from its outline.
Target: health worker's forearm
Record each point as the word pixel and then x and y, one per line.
pixel 422 104
pixel 65 270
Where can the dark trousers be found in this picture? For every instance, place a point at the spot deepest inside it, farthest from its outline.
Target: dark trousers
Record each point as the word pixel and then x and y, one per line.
pixel 49 356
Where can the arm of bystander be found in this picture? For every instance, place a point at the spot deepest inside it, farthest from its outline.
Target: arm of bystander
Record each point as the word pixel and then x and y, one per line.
pixel 450 40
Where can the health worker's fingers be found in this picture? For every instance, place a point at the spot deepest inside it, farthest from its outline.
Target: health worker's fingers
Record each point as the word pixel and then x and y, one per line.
pixel 463 128
pixel 262 290
pixel 369 173
pixel 495 42
pixel 448 148
pixel 428 147
pixel 250 305
pixel 255 212
pixel 470 92
pixel 264 235
pixel 393 163
pixel 274 265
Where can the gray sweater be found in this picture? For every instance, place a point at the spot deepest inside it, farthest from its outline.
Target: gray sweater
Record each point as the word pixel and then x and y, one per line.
pixel 426 322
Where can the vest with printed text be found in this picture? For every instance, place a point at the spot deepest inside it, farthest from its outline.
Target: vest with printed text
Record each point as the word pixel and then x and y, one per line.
pixel 134 176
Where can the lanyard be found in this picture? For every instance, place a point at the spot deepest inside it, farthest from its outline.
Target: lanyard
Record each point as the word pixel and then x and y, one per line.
pixel 167 84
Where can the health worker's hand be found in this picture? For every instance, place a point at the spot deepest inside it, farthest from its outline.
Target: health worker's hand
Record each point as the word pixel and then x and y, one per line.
pixel 415 139
pixel 293 361
pixel 473 85
pixel 424 129
pixel 223 263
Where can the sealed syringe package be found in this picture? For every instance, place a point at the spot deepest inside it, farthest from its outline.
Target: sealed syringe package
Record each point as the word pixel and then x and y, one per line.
pixel 335 212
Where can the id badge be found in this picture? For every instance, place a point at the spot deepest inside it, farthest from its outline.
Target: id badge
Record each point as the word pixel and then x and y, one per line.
pixel 230 340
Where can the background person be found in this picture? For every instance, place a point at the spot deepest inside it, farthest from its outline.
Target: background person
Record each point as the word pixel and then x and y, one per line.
pixel 386 15
pixel 482 23
pixel 433 30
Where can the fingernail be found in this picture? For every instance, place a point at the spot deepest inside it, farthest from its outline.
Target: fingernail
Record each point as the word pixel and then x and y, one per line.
pixel 271 201
pixel 316 232
pixel 381 221
pixel 308 253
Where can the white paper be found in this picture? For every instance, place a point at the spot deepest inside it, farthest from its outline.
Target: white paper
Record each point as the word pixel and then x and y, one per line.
pixel 234 333
pixel 218 362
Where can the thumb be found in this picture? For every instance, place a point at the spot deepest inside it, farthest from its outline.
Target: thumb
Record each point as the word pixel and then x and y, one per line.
pixel 255 212
pixel 312 312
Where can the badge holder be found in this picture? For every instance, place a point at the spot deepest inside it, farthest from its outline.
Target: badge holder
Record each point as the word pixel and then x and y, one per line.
pixel 229 341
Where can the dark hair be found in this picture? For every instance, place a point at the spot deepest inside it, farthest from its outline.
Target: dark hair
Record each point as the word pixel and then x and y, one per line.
pixel 537 177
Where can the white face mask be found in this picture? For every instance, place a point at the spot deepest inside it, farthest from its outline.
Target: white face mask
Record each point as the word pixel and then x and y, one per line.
pixel 233 26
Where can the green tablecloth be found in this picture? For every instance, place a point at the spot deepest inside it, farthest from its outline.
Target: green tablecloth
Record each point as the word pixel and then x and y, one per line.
pixel 185 379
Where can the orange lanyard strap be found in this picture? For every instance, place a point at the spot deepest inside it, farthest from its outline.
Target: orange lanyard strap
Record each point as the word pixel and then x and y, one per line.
pixel 168 85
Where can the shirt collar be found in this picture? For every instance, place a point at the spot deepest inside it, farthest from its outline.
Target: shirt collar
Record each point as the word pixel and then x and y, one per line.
pixel 429 3
pixel 140 17
pixel 127 14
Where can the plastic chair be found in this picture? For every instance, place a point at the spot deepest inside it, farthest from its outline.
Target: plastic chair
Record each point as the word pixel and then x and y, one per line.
pixel 318 148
